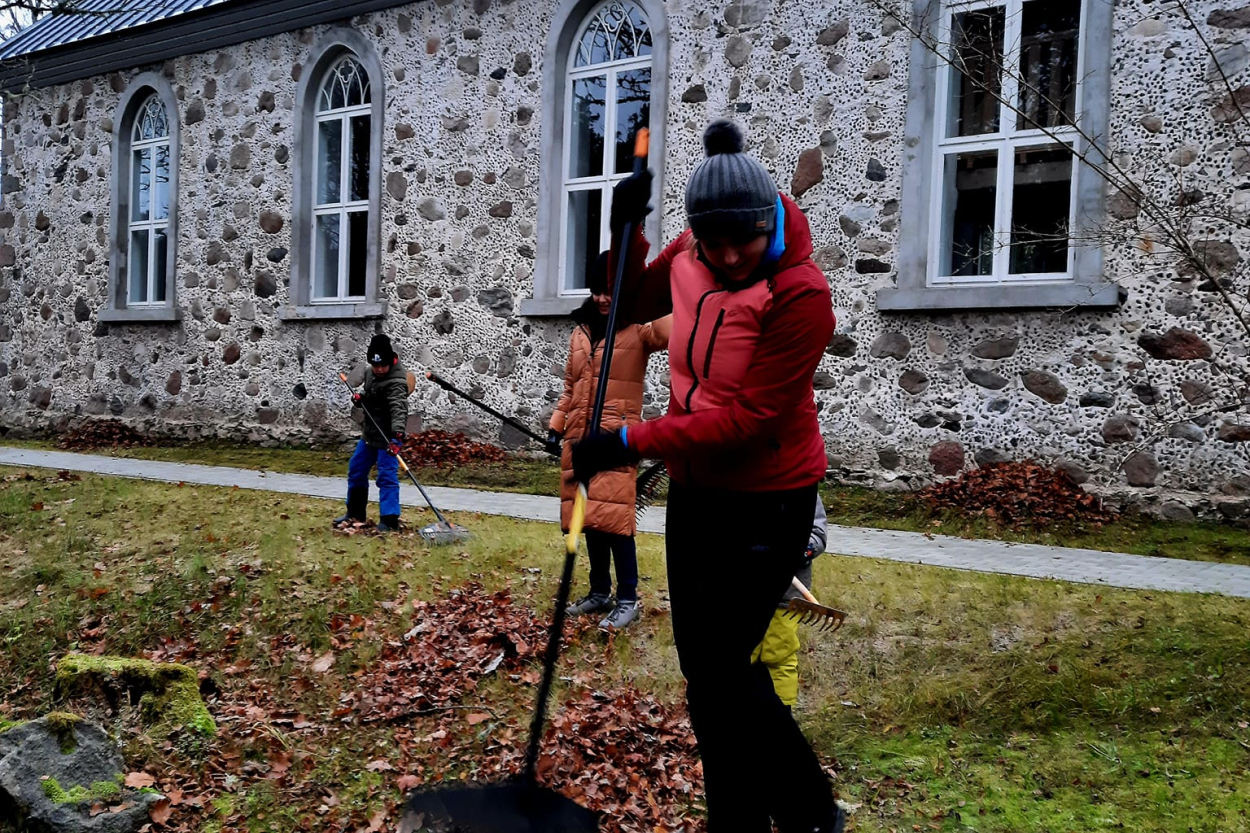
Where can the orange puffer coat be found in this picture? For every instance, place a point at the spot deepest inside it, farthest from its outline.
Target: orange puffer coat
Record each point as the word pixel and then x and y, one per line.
pixel 610 507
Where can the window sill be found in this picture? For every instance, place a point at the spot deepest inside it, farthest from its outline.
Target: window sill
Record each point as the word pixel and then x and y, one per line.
pixel 550 307
pixel 141 315
pixel 315 312
pixel 998 296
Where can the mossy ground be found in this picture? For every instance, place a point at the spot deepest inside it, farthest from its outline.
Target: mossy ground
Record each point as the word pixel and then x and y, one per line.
pixel 950 701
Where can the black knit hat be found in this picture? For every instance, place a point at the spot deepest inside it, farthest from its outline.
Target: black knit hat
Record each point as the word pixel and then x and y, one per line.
pixel 380 351
pixel 730 195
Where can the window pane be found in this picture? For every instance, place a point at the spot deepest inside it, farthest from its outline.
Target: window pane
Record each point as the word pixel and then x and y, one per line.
pixel 633 112
pixel 360 158
pixel 160 184
pixel 160 262
pixel 357 252
pixel 586 150
pixel 141 193
pixel 138 267
pixel 1041 205
pixel 618 32
pixel 1048 63
pixel 582 245
pixel 970 194
pixel 326 280
pixel 329 161
pixel 976 72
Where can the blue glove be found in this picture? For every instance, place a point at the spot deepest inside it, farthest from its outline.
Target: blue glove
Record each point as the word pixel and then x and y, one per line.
pixel 396 445
pixel 600 452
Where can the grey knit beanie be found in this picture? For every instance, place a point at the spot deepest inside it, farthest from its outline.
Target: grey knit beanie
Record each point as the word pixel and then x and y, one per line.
pixel 730 195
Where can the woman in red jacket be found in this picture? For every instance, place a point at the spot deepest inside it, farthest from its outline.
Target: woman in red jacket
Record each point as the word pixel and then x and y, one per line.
pixel 752 315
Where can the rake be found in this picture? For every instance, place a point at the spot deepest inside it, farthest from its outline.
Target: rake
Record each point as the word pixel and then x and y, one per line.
pixel 521 805
pixel 441 533
pixel 811 612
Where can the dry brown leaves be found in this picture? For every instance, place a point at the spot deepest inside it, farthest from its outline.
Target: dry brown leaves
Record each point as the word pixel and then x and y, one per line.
pixel 440 448
pixel 453 644
pixel 1018 494
pixel 626 755
pixel 102 433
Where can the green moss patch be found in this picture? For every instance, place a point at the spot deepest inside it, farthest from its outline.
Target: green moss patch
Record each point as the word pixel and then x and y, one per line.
pixel 168 694
pixel 62 725
pixel 99 791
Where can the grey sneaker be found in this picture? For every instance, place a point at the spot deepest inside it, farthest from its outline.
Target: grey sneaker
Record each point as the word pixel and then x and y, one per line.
pixel 590 603
pixel 621 616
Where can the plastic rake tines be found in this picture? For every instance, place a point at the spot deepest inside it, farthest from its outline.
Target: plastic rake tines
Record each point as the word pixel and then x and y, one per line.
pixel 647 488
pixel 810 613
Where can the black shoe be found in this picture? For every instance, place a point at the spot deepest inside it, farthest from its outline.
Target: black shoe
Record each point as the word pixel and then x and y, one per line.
pixel 357 502
pixel 388 523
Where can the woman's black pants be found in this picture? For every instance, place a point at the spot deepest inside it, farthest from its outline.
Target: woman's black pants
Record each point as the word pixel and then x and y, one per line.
pixel 731 556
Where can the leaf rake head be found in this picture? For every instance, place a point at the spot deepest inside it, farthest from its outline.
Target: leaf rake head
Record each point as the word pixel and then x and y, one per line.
pixel 826 619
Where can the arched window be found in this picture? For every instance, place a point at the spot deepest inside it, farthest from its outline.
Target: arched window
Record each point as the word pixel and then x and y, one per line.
pixel 341 206
pixel 337 173
pixel 605 75
pixel 149 205
pixel 608 100
pixel 144 204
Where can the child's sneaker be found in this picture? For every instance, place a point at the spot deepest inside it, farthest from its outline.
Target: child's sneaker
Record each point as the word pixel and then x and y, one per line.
pixel 621 616
pixel 590 603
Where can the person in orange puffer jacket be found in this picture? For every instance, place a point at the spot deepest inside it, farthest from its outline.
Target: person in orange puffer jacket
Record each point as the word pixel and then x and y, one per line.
pixel 752 315
pixel 610 517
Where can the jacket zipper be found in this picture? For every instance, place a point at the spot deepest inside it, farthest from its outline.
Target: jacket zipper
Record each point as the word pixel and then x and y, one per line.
pixel 694 331
pixel 711 345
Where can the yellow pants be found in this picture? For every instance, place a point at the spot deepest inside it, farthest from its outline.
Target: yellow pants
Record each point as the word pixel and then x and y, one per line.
pixel 780 653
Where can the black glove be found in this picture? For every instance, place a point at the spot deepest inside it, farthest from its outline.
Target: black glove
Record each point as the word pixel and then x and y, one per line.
pixel 356 398
pixel 600 452
pixel 630 200
pixel 552 446
pixel 809 555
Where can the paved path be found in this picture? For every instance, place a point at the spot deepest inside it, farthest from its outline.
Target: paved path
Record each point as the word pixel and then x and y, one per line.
pixel 1082 566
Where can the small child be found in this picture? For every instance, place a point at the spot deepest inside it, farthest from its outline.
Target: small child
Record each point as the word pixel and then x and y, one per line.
pixel 780 649
pixel 385 399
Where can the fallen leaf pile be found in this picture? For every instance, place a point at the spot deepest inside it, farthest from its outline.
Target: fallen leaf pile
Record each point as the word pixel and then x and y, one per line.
pixel 626 755
pixel 442 449
pixel 1018 494
pixel 453 643
pixel 102 433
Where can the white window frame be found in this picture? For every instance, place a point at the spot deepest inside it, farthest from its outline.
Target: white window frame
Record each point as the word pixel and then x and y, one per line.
pixel 120 309
pixel 918 287
pixel 569 20
pixel 606 181
pixel 1005 142
pixel 344 207
pixel 152 224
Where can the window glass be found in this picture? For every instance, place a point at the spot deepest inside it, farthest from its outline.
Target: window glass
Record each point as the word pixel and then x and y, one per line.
pixel 976 72
pixel 971 190
pixel 1041 204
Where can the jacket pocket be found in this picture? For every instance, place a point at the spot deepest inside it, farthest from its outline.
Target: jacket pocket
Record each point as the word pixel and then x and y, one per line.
pixel 711 344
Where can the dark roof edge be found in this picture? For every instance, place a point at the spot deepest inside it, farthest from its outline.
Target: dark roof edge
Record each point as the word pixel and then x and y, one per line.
pixel 202 30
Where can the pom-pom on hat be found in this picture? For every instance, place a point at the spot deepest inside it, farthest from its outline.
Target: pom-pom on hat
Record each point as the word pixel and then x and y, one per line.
pixel 730 195
pixel 380 350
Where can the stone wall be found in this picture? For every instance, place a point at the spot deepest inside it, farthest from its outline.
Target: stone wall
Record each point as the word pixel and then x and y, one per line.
pixel 1122 397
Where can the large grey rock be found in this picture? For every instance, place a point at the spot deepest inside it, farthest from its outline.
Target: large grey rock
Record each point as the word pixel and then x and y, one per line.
pixel 1046 385
pixel 73 754
pixel 985 378
pixel 1141 469
pixel 997 348
pixel 891 345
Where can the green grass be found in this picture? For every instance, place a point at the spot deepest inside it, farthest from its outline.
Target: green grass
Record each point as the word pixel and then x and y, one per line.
pixel 848 506
pixel 1131 532
pixel 951 701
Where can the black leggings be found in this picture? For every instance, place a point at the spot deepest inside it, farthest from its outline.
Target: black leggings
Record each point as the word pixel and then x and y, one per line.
pixel 731 556
pixel 603 548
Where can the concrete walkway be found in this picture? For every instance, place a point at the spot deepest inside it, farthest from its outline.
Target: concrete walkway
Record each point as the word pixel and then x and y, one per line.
pixel 1060 563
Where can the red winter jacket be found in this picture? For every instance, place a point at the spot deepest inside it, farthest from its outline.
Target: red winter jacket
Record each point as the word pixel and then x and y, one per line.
pixel 741 414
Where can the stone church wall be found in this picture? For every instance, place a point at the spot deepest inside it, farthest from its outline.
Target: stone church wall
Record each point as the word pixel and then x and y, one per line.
pixel 821 90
